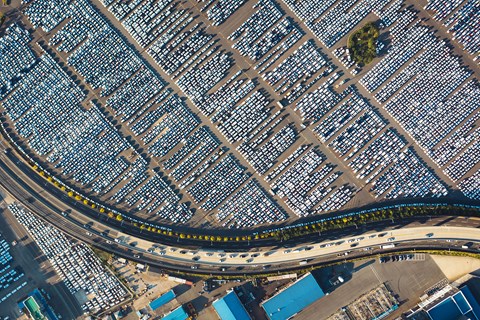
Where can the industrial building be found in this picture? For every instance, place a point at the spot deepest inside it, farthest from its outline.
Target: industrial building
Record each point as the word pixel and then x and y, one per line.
pixel 450 303
pixel 36 307
pixel 230 307
pixel 293 298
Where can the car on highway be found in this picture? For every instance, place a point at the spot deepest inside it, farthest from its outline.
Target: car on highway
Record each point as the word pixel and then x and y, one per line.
pixel 89 234
pixel 136 256
pixel 429 235
pixel 64 213
pixel 391 239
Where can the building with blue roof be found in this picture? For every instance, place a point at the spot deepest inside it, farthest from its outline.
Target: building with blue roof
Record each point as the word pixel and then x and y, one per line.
pixel 293 299
pixel 177 314
pixel 162 300
pixel 460 305
pixel 230 307
pixel 36 306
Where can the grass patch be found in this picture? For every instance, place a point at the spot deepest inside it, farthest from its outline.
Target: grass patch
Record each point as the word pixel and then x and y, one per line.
pixel 363 44
pixel 104 256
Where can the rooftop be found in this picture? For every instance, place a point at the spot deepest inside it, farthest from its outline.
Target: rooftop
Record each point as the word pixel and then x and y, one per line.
pixel 293 299
pixel 177 314
pixel 230 308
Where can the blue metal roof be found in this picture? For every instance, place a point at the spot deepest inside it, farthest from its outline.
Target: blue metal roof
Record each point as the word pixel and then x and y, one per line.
pixel 472 300
pixel 177 314
pixel 293 299
pixel 454 307
pixel 230 308
pixel 163 299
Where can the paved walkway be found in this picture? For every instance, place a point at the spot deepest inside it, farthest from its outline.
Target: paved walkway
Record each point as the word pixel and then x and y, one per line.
pixel 456 267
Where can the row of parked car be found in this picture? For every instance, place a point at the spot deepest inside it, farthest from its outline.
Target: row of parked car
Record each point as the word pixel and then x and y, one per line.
pixel 255 28
pixel 75 263
pixel 301 65
pixel 200 79
pixel 292 157
pixel 16 56
pixel 408 177
pixel 303 184
pixel 464 24
pixel 239 122
pixel 289 41
pixel 377 156
pixel 464 162
pixel 263 158
pixel 248 207
pixel 316 104
pixel 219 104
pixel 463 135
pixel 128 100
pixel 259 47
pixel 218 183
pixel 331 20
pixel 147 22
pixel 471 186
pixel 219 12
pixel 444 110
pixel 174 122
pixel 341 115
pixel 11 279
pixel 206 143
pixel 356 135
pixel 401 257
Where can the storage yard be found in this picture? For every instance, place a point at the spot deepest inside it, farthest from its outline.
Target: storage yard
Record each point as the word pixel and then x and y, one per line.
pixel 95 288
pixel 238 114
pixel 375 304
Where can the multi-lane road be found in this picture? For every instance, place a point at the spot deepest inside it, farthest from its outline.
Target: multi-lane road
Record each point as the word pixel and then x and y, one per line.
pixel 334 246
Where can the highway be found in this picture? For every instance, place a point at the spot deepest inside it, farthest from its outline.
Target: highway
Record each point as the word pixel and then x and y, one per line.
pixel 268 259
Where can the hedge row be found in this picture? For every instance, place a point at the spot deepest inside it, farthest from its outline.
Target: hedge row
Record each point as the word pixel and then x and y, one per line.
pixel 357 220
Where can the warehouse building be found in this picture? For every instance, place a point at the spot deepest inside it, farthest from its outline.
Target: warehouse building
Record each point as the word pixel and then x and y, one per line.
pixel 230 307
pixel 293 298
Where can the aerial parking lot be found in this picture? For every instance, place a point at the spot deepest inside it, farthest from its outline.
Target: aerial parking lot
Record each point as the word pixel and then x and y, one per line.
pixel 242 114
